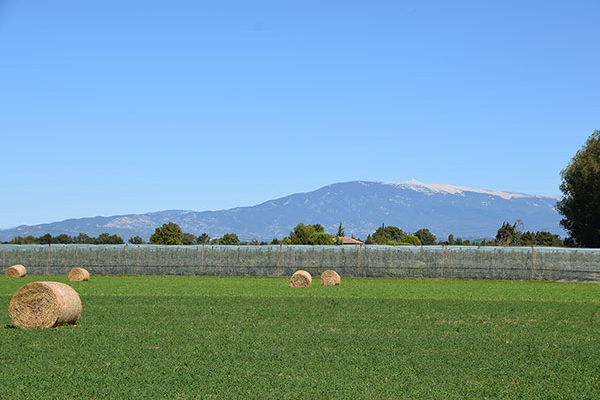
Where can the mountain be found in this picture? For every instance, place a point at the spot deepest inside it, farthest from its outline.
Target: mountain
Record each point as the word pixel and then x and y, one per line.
pixel 361 206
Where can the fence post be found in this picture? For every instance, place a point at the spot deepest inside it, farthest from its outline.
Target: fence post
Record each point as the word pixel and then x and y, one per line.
pixel 279 267
pixel 360 260
pixel 202 260
pixel 49 259
pixel 287 255
pixel 443 259
pixel 533 262
pixel 137 261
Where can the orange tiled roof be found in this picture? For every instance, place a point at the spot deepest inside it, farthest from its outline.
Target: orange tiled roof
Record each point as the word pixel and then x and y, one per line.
pixel 347 240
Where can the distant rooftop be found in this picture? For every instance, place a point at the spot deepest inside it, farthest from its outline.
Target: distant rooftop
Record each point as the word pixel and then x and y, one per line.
pixel 347 240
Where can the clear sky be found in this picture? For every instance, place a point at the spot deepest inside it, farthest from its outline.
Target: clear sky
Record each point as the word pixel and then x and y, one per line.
pixel 113 107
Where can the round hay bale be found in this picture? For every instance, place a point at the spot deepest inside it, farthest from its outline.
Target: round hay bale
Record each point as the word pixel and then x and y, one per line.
pixel 79 274
pixel 44 305
pixel 16 271
pixel 330 278
pixel 301 278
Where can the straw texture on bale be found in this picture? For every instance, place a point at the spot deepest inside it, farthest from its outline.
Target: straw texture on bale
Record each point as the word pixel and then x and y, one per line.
pixel 330 278
pixel 301 278
pixel 16 271
pixel 79 274
pixel 44 305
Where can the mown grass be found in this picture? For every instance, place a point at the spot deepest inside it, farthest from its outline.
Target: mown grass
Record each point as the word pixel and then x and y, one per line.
pixel 230 337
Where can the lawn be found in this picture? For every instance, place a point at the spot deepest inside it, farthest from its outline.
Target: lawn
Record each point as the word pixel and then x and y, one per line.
pixel 232 337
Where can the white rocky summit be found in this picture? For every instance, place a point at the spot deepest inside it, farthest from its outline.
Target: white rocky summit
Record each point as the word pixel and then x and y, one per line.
pixel 459 190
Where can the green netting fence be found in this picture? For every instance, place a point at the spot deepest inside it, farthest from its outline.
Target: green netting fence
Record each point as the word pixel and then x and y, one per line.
pixel 524 263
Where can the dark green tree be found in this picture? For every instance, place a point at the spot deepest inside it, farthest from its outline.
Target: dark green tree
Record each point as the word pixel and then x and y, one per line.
pixel 318 228
pixel 385 234
pixel 411 240
pixel 340 231
pixel 451 239
pixel 580 204
pixel 203 239
pixel 63 238
pixel 24 240
pixel 135 240
pixel 106 238
pixel 506 234
pixel 188 239
pixel 169 234
pixel 29 239
pixel 321 238
pixel 17 240
pixel 230 239
pixel 45 239
pixel 543 238
pixel 426 237
pixel 301 234
pixel 83 238
pixel 527 239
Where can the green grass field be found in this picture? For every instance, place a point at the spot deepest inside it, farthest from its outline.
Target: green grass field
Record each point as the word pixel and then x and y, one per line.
pixel 230 337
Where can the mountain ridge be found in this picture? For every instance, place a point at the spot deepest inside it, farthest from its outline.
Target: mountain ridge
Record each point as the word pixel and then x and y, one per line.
pixel 362 206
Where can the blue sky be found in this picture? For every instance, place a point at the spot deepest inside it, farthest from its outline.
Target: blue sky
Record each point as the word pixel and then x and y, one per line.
pixel 115 107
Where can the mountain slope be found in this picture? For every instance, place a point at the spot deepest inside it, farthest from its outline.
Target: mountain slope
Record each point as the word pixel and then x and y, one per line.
pixel 361 206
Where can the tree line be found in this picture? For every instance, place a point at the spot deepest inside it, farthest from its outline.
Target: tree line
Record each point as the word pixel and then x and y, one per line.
pixel 303 234
pixel 82 238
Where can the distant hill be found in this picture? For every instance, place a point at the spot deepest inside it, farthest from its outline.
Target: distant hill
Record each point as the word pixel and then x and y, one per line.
pixel 361 206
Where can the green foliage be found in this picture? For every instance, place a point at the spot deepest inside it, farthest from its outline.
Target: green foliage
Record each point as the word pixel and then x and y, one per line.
pixel 167 234
pixel 83 238
pixel 203 239
pixel 385 234
pixel 528 239
pixel 135 240
pixel 369 240
pixel 62 239
pixel 451 239
pixel 340 231
pixel 23 240
pixel 106 238
pixel 320 238
pixel 318 227
pixel 506 234
pixel 543 238
pixel 425 237
pixel 580 205
pixel 45 239
pixel 229 239
pixel 307 235
pixel 406 338
pixel 188 239
pixel 301 234
pixel 411 240
pixel 510 235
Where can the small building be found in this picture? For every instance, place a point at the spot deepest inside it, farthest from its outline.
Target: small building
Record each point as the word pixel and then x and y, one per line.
pixel 346 240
